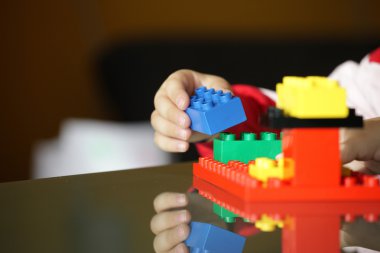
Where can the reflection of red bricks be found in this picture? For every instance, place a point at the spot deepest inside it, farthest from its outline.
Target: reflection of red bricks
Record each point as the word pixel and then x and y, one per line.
pixel 302 220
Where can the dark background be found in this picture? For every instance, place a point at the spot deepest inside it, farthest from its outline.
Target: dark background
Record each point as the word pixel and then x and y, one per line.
pixel 105 59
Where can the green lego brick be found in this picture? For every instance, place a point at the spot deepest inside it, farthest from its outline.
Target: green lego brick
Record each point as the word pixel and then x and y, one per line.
pixel 227 148
pixel 224 214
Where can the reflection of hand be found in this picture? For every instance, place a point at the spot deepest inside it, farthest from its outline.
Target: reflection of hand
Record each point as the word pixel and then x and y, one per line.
pixel 170 224
pixel 170 122
pixel 362 145
pixel 360 234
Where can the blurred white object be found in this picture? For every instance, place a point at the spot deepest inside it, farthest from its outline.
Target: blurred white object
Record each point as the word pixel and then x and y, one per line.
pixel 362 83
pixel 87 146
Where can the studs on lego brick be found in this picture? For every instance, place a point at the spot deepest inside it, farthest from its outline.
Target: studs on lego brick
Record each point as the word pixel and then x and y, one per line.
pixel 227 147
pixel 268 224
pixel 248 136
pixel 300 98
pixel 227 136
pixel 209 238
pixel 213 111
pixel 349 181
pixel 370 181
pixel 227 215
pixel 274 183
pixel 265 168
pixel 370 217
pixel 348 217
pixel 268 136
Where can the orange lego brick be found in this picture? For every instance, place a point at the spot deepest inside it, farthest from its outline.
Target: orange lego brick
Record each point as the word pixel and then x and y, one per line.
pixel 312 234
pixel 316 156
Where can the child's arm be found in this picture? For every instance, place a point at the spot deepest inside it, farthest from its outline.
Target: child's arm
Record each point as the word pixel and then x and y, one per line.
pixel 170 122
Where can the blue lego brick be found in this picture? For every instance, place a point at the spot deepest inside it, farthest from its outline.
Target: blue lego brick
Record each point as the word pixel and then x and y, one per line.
pixel 213 111
pixel 207 238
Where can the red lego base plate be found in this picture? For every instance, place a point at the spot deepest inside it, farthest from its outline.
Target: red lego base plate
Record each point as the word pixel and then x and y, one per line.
pixel 253 210
pixel 235 179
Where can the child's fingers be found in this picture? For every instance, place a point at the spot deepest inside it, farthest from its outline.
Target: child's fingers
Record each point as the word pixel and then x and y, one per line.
pixel 169 239
pixel 169 129
pixel 180 248
pixel 167 109
pixel 166 220
pixel 179 86
pixel 216 82
pixel 169 144
pixel 168 200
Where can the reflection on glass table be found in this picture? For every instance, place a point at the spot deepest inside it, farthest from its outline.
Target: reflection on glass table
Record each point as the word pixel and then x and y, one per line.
pixel 301 227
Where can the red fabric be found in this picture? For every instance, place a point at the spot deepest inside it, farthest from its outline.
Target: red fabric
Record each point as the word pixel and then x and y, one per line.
pixel 255 104
pixel 244 229
pixel 374 56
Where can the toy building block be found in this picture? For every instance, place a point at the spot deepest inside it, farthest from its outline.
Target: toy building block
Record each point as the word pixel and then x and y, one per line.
pixel 264 168
pixel 306 227
pixel 207 238
pixel 213 111
pixel 252 211
pixel 268 224
pixel 227 148
pixel 276 119
pixel 224 214
pixel 311 233
pixel 311 97
pixel 316 155
pixel 234 178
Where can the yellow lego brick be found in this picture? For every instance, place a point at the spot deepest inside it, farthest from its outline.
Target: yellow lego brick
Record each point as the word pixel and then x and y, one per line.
pixel 311 97
pixel 265 168
pixel 268 224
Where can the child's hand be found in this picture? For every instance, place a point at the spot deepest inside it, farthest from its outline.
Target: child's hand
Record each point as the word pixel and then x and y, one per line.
pixel 170 122
pixel 362 145
pixel 170 224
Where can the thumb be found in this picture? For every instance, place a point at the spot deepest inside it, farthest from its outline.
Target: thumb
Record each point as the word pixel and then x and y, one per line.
pixel 213 81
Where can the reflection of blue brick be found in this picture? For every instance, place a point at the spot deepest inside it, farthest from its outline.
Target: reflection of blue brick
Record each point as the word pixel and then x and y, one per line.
pixel 209 238
pixel 213 111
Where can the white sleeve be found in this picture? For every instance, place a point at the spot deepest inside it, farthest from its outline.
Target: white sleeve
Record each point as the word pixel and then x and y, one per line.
pixel 269 93
pixel 362 83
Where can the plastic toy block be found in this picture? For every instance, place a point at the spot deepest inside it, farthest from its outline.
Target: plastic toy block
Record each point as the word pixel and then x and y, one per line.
pixel 234 178
pixel 207 238
pixel 276 119
pixel 227 148
pixel 309 233
pixel 224 214
pixel 316 155
pixel 264 168
pixel 311 97
pixel 253 210
pixel 306 227
pixel 213 111
pixel 268 224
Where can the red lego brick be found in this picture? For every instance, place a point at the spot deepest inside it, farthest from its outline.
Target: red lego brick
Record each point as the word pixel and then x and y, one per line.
pixel 316 156
pixel 312 234
pixel 234 179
